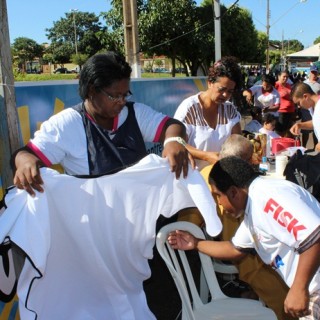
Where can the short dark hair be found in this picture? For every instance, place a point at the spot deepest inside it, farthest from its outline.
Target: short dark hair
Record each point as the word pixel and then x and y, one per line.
pixel 255 111
pixel 268 118
pixel 102 70
pixel 232 171
pixel 268 79
pixel 226 67
pixel 299 89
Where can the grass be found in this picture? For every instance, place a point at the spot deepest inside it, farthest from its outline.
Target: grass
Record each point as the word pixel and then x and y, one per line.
pixel 72 76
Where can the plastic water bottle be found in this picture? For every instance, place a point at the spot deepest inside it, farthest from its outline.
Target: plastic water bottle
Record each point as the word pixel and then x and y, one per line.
pixel 264 165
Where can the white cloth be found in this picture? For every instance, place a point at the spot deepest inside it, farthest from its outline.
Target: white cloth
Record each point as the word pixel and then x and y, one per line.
pixel 270 133
pixel 316 120
pixel 280 217
pixel 89 240
pixel 200 134
pixel 62 138
pixel 267 99
pixel 253 126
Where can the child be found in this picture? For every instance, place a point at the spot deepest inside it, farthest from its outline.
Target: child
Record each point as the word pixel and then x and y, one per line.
pixel 255 124
pixel 268 125
pixel 281 224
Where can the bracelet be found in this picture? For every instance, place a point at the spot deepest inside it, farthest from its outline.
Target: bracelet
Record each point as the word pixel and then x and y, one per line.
pixel 176 139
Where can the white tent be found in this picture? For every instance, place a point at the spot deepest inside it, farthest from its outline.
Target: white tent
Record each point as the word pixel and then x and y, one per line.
pixel 311 54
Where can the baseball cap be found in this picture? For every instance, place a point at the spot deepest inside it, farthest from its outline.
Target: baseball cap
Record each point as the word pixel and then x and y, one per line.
pixel 313 69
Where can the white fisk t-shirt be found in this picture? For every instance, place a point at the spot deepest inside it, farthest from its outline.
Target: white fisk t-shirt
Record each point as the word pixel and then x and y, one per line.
pixel 281 219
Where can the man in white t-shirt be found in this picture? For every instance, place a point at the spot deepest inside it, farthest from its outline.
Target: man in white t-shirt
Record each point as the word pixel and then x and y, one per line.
pixel 303 95
pixel 281 224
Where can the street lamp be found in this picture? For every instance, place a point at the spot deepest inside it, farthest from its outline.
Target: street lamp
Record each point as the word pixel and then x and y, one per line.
pixel 75 30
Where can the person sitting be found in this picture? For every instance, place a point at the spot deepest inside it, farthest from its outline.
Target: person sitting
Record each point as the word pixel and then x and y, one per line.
pixel 255 124
pixel 291 248
pixel 268 125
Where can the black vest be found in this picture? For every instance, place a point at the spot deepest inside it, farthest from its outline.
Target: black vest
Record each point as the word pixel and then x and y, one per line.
pixel 107 155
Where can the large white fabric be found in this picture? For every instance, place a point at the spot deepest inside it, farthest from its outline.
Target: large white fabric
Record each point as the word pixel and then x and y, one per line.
pixel 88 241
pixel 200 134
pixel 62 138
pixel 280 218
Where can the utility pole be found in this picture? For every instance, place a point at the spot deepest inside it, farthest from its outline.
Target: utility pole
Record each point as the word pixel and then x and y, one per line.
pixel 217 29
pixel 268 37
pixel 75 30
pixel 131 39
pixel 10 137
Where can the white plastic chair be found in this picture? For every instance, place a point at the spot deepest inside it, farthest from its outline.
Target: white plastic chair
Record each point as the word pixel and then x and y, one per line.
pixel 220 306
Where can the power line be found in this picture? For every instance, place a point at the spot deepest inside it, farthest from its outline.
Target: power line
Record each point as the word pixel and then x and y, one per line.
pixel 202 26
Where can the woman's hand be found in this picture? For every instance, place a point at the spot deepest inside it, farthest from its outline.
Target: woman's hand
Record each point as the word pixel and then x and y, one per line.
pixel 178 157
pixel 27 175
pixel 182 240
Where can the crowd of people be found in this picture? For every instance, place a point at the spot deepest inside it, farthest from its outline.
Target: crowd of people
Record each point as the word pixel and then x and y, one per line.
pixel 107 132
pixel 272 94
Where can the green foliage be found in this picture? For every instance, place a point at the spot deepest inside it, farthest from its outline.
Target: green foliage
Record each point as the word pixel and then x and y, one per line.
pixel 79 59
pixel 43 77
pixel 316 40
pixel 24 50
pixel 77 31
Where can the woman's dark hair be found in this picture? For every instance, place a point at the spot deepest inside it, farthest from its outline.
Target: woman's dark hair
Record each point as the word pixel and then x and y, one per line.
pixel 232 171
pixel 226 67
pixel 102 70
pixel 268 79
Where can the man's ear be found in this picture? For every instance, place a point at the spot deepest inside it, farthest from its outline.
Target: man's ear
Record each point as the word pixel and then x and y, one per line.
pixel 233 192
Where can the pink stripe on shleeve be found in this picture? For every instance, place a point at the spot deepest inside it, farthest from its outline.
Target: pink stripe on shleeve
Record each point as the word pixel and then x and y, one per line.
pixel 39 154
pixel 160 128
pixel 115 123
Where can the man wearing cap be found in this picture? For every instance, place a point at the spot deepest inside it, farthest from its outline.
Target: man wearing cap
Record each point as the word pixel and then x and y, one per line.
pixel 313 80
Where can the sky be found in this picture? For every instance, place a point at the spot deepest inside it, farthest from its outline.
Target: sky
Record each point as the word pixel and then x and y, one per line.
pixel 289 19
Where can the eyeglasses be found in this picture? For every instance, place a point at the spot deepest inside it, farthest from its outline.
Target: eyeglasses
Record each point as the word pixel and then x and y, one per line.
pixel 119 98
pixel 225 90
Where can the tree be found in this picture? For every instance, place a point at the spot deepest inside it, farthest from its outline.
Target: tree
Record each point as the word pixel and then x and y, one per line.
pixel 79 59
pixel 76 29
pixel 164 28
pixel 25 50
pixel 317 40
pixel 112 35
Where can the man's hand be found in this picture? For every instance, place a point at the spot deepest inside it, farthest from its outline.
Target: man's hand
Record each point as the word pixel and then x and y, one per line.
pixel 297 302
pixel 182 240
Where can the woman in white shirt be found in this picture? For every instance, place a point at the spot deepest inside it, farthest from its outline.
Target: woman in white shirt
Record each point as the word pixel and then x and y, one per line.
pixel 209 116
